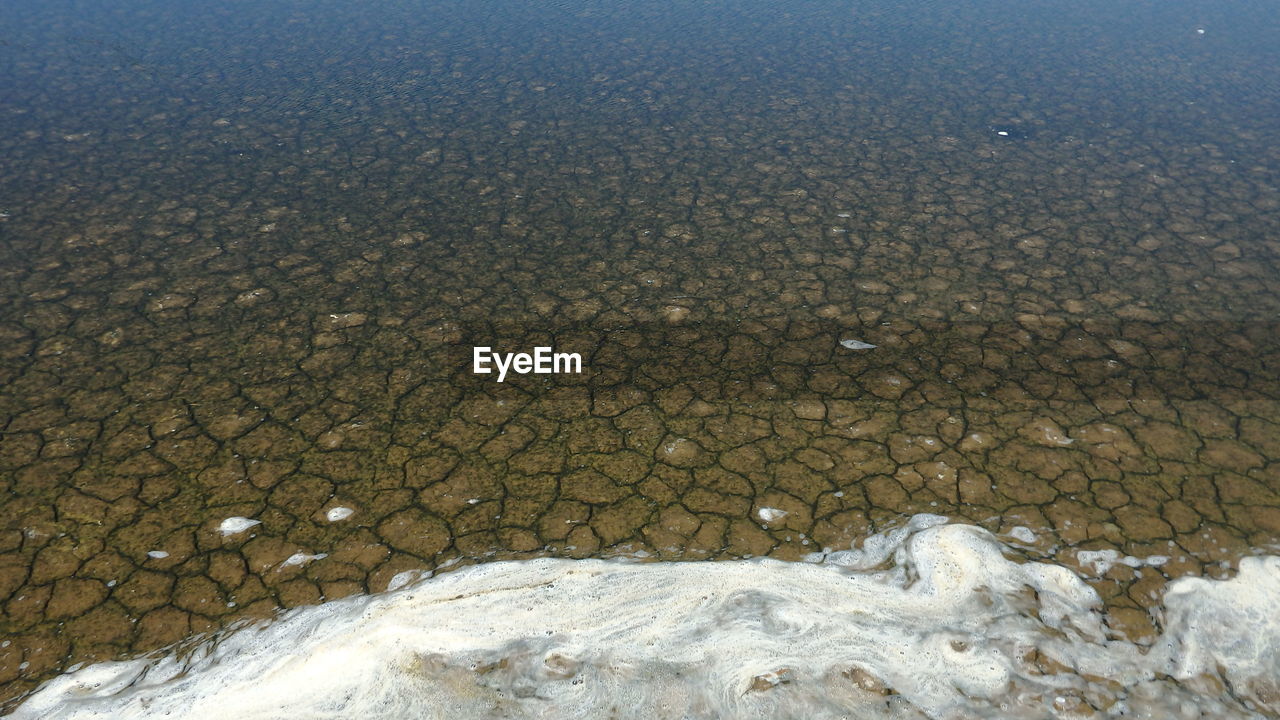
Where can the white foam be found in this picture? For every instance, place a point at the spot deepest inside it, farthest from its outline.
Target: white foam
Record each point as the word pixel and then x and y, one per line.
pixel 339 514
pixel 937 613
pixel 401 579
pixel 1023 535
pixel 1235 630
pixel 236 525
pixel 1100 561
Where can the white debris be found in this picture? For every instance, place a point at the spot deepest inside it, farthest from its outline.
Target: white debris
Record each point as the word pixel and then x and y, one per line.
pixel 236 525
pixel 856 345
pixel 402 579
pixel 1100 561
pixel 157 554
pixel 339 514
pixel 768 514
pixel 301 559
pixel 1023 534
pixel 935 611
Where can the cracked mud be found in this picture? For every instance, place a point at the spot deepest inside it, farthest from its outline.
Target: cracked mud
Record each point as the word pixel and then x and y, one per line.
pixel 281 330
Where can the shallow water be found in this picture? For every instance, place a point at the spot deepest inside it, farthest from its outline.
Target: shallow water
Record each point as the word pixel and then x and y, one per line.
pixel 930 620
pixel 246 251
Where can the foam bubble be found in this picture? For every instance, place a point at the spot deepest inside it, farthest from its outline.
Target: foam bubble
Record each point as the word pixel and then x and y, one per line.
pixel 930 620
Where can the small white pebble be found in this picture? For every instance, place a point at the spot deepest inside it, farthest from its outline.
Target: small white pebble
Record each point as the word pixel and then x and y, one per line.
pixel 157 554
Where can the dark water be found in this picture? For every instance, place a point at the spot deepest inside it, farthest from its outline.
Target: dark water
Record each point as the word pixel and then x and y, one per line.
pixel 246 250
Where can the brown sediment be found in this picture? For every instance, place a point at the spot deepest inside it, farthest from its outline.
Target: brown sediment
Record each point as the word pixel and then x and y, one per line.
pixel 671 443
